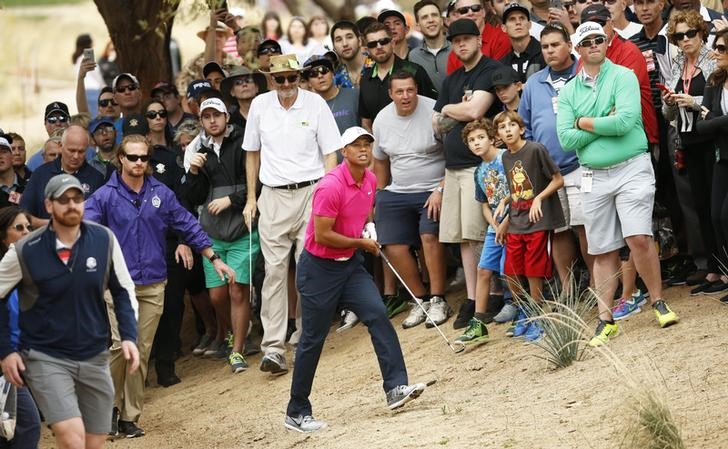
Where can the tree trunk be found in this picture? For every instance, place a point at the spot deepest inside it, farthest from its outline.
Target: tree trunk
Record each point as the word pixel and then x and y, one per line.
pixel 140 31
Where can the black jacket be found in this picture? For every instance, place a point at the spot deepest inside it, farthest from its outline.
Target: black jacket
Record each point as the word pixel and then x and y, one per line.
pixel 715 124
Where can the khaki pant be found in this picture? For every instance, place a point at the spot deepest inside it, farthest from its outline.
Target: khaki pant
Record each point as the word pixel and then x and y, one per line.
pixel 129 388
pixel 284 215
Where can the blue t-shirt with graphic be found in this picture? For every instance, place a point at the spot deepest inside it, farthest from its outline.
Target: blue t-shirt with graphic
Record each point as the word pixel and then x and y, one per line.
pixel 491 185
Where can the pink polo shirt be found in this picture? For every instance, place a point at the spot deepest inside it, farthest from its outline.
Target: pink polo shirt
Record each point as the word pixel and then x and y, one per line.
pixel 338 196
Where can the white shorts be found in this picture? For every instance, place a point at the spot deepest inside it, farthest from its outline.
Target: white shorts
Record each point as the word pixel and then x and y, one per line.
pixel 571 202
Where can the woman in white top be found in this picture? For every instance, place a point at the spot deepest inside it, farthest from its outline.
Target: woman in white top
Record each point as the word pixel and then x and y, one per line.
pixel 297 40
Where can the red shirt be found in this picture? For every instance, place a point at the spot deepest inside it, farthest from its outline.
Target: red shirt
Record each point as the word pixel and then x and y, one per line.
pixel 495 46
pixel 338 196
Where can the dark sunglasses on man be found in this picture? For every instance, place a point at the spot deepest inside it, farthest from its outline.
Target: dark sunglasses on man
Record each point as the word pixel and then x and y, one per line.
pixel 130 87
pixel 57 119
pixel 280 79
pixel 315 72
pixel 383 41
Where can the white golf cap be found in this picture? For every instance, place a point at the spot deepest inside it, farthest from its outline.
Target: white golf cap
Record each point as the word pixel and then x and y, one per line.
pixel 587 29
pixel 4 143
pixel 353 133
pixel 214 103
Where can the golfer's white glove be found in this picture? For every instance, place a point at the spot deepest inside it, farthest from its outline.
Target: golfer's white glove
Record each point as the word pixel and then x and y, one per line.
pixel 369 232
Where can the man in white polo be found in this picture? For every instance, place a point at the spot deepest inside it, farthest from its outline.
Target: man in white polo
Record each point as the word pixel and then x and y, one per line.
pixel 291 140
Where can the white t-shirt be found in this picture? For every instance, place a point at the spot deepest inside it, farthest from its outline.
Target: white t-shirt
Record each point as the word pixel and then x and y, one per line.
pixel 630 30
pixel 293 142
pixel 416 159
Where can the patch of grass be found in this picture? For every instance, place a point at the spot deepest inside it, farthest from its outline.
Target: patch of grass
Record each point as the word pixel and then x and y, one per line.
pixel 654 427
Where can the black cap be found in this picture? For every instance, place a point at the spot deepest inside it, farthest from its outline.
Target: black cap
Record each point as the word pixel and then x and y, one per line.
pixel 135 124
pixel 270 43
pixel 462 26
pixel 197 86
pixel 213 66
pixel 317 60
pixel 513 7
pixel 596 12
pixel 164 87
pixel 54 107
pixel 504 76
pixel 391 13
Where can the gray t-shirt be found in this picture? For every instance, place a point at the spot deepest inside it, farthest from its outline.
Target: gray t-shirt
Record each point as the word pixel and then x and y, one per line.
pixel 345 107
pixel 417 162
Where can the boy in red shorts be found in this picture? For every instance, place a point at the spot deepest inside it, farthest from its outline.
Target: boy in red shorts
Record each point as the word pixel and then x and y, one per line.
pixel 533 179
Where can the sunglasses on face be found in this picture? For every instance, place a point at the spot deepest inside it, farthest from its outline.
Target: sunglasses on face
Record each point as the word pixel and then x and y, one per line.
pixel 720 48
pixel 581 2
pixel 20 227
pixel 465 9
pixel 102 131
pixel 242 80
pixel 317 71
pixel 586 43
pixel 681 36
pixel 384 41
pixel 268 51
pixel 137 157
pixel 280 79
pixel 130 87
pixel 78 199
pixel 108 102
pixel 57 119
pixel 154 114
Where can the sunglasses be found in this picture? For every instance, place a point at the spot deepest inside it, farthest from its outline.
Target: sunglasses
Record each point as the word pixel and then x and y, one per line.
pixel 137 157
pixel 465 9
pixel 589 42
pixel 280 79
pixel 130 87
pixel 78 199
pixel 20 227
pixel 242 80
pixel 720 48
pixel 581 2
pixel 681 36
pixel 154 114
pixel 268 51
pixel 57 119
pixel 384 41
pixel 317 71
pixel 103 130
pixel 107 102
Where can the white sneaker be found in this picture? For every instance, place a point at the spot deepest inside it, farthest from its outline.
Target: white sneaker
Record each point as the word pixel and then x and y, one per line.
pixel 507 313
pixel 304 424
pixel 416 315
pixel 439 311
pixel 348 320
pixel 399 396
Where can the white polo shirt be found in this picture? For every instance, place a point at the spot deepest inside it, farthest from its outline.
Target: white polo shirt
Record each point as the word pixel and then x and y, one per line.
pixel 293 142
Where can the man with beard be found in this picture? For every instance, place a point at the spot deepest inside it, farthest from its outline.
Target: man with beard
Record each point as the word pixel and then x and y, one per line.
pixel 289 164
pixel 103 135
pixel 66 267
pixel 373 89
pixel 345 37
pixel 433 53
pixel 139 210
pixel 72 161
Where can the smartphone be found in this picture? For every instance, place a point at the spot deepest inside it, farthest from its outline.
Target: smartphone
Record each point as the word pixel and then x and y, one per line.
pixel 556 4
pixel 663 88
pixel 88 54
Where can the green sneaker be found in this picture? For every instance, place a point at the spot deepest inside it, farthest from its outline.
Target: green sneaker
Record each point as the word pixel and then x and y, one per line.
pixel 475 333
pixel 602 334
pixel 237 363
pixel 395 305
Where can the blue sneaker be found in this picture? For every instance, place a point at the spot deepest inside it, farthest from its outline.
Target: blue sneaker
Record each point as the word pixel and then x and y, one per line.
pixel 534 333
pixel 626 308
pixel 522 324
pixel 640 297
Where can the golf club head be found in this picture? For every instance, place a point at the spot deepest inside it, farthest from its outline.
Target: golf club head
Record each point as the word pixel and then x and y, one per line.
pixel 457 346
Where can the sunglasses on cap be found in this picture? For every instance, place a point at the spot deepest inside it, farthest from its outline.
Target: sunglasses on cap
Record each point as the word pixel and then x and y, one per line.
pixel 130 87
pixel 595 41
pixel 20 227
pixel 383 41
pixel 268 51
pixel 317 71
pixel 280 79
pixel 57 119
pixel 681 36
pixel 465 9
pixel 720 48
pixel 107 102
pixel 154 114
pixel 243 80
pixel 137 157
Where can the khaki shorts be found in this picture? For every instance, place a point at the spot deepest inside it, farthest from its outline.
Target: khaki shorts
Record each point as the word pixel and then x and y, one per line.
pixel 461 217
pixel 570 198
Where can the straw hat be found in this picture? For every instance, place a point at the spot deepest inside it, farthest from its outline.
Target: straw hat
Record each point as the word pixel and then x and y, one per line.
pixel 283 63
pixel 219 28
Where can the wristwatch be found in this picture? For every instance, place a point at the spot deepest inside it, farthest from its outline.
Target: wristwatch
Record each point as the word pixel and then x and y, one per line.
pixel 214 257
pixel 439 189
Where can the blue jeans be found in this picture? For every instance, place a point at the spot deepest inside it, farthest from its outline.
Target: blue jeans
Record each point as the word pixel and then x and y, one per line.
pixel 325 284
pixel 27 426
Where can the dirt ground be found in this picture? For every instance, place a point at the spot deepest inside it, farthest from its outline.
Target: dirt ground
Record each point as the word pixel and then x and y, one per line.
pixel 499 395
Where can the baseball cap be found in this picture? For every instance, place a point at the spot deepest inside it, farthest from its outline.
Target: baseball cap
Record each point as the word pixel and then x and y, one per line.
pixel 214 103
pixel 596 12
pixel 585 30
pixel 270 43
pixel 213 66
pixel 5 143
pixel 163 87
pixel 197 86
pixel 128 76
pixel 513 7
pixel 391 13
pixel 135 124
pixel 460 27
pixel 504 76
pixel 59 184
pixel 6 137
pixel 317 60
pixel 98 121
pixel 353 133
pixel 54 107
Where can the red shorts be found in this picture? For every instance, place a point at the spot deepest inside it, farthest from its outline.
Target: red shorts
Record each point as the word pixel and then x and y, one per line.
pixel 529 254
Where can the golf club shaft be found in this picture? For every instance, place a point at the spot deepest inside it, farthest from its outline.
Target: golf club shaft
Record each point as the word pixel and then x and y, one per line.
pixel 415 298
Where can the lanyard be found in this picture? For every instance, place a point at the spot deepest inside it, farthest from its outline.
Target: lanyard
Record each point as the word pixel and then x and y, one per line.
pixel 689 81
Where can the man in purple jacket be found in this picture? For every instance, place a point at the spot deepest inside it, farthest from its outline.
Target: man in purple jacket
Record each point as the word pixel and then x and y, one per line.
pixel 139 210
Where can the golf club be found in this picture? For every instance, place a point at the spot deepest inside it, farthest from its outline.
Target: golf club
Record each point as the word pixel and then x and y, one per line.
pixel 458 347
